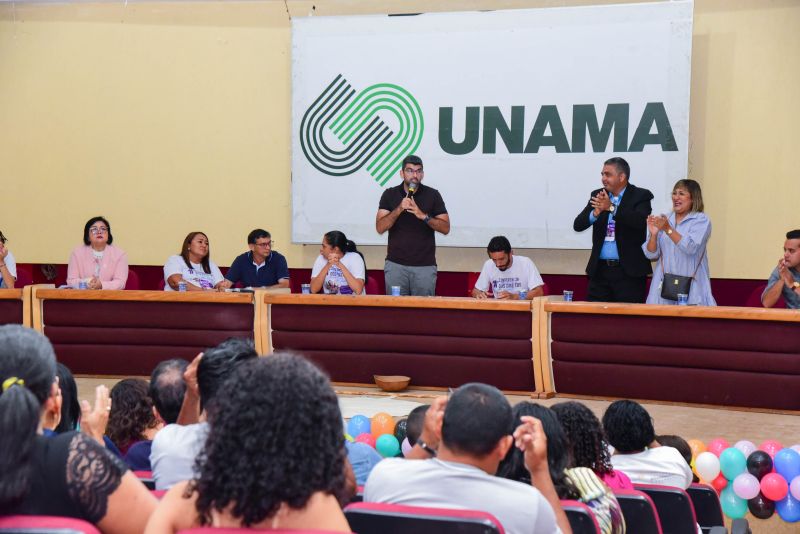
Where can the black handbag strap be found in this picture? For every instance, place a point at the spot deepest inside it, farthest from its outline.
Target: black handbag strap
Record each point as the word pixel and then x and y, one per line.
pixel 663 261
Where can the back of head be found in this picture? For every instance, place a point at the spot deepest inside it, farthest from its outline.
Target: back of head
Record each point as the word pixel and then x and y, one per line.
pixel 586 436
pixel 414 423
pixel 70 406
pixel 27 374
pixel 131 412
pixel 499 243
pixel 219 362
pixel 628 426
pixel 275 437
pixel 558 456
pixel 477 416
pixel 167 388
pixel 677 442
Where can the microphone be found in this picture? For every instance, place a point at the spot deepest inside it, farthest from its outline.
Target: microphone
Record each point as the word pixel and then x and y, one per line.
pixel 412 188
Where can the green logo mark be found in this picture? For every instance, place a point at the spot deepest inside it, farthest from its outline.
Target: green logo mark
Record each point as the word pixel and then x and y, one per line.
pixel 366 138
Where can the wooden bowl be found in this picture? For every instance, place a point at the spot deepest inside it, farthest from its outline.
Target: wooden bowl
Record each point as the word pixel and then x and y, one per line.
pixel 392 382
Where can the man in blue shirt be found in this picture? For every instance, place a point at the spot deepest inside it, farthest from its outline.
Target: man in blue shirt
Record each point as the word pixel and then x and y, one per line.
pixel 617 268
pixel 261 267
pixel 785 278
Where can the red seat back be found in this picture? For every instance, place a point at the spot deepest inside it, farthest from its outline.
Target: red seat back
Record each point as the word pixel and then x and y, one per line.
pixel 675 508
pixel 133 280
pixel 754 299
pixel 581 518
pixel 24 276
pixel 380 518
pixel 45 524
pixel 639 511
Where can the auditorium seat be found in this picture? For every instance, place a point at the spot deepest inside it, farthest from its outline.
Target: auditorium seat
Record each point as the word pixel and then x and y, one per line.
pixel 133 280
pixel 45 524
pixel 706 506
pixel 378 518
pixel 147 479
pixel 219 530
pixel 581 518
pixel 639 512
pixel 754 299
pixel 373 287
pixel 24 276
pixel 675 508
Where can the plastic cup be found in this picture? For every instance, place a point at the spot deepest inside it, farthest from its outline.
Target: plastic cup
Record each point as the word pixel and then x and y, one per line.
pixel 82 284
pixel 567 295
pixel 306 288
pixel 181 286
pixel 683 299
pixel 523 295
pixel 395 291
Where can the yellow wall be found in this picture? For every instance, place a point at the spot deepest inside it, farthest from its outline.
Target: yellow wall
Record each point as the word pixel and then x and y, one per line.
pixel 149 113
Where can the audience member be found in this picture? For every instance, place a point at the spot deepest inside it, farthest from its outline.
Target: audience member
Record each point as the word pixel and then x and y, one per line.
pixel 679 243
pixel 575 483
pixel 70 405
pixel 193 266
pixel 680 445
pixel 340 268
pixel 261 267
pixel 274 457
pixel 66 475
pixel 131 418
pixel 97 262
pixel 617 267
pixel 176 446
pixel 629 429
pixel 472 431
pixel 414 423
pixel 8 266
pixel 588 443
pixel 507 275
pixel 785 278
pixel 411 213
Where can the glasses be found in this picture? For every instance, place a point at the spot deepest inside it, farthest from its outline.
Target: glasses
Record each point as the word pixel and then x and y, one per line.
pixel 268 244
pixel 413 171
pixel 98 230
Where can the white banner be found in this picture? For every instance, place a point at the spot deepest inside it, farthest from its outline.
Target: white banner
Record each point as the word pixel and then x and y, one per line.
pixel 512 112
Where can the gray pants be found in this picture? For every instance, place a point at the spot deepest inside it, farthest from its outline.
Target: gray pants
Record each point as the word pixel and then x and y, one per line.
pixel 415 281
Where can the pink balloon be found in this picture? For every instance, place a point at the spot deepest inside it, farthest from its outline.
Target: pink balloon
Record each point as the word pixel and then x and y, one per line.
pixel 774 486
pixel 771 447
pixel 717 445
pixel 406 447
pixel 747 447
pixel 369 439
pixel 746 486
pixel 794 487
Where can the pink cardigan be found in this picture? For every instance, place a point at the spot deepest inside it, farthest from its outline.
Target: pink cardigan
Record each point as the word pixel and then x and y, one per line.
pixel 113 267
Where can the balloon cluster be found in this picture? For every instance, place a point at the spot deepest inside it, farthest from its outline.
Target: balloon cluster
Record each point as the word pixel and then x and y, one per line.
pixel 763 479
pixel 380 432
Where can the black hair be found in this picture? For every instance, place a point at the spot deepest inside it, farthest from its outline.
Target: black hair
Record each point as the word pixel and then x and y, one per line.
pixel 337 239
pixel 586 436
pixel 676 442
pixel 89 224
pixel 793 234
pixel 257 234
pixel 628 426
pixel 185 252
pixel 70 405
pixel 275 436
pixel 477 416
pixel 131 413
pixel 414 423
pixel 558 454
pixel 27 374
pixel 499 243
pixel 219 362
pixel 167 388
pixel 621 165
pixel 412 160
pixel 3 238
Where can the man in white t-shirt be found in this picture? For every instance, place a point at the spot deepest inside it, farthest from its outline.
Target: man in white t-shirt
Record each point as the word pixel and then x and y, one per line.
pixel 453 464
pixel 507 275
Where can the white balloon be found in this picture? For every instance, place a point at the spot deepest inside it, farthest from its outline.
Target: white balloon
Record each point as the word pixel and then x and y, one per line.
pixel 707 466
pixel 747 447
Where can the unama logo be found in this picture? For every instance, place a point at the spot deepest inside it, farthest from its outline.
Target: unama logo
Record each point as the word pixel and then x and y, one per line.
pixel 357 120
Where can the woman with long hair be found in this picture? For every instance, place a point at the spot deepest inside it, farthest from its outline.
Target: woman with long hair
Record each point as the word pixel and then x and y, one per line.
pixel 193 266
pixel 68 475
pixel 340 268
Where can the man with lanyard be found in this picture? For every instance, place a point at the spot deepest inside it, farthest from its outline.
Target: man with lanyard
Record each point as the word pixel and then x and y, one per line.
pixel 261 267
pixel 617 267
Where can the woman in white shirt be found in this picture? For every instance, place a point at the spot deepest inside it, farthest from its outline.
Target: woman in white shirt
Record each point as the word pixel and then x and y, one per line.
pixel 8 267
pixel 193 266
pixel 340 268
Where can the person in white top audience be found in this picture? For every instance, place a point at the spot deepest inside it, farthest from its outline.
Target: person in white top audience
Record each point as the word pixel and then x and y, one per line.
pixel 463 440
pixel 506 274
pixel 629 429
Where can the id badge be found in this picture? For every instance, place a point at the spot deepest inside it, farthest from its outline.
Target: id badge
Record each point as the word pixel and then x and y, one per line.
pixel 611 230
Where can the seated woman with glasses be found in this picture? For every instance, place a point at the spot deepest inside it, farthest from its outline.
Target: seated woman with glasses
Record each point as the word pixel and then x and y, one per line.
pixel 97 262
pixel 193 266
pixel 340 268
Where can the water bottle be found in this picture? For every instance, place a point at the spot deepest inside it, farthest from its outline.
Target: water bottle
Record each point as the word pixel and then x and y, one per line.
pixel 83 284
pixel 181 286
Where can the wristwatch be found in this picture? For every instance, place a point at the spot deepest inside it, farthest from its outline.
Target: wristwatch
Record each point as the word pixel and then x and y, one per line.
pixel 426 219
pixel 795 284
pixel 669 231
pixel 425 447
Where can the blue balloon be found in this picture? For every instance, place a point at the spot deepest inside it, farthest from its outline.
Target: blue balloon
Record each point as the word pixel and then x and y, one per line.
pixel 788 508
pixel 787 463
pixel 358 424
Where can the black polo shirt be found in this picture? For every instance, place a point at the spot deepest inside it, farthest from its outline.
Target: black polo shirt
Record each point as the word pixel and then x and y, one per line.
pixel 411 241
